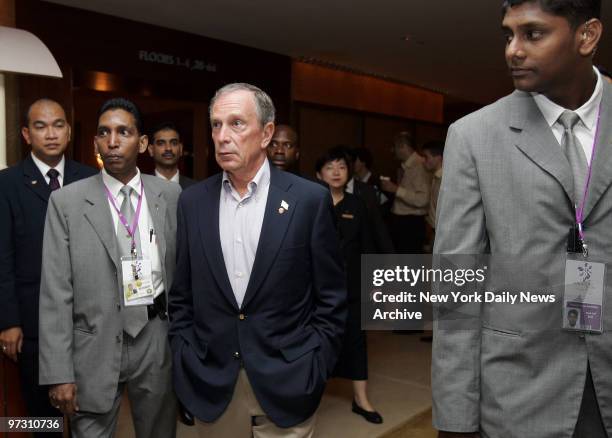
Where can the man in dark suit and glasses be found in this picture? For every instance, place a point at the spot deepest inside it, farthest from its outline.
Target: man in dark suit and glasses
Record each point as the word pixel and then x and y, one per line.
pixel 257 308
pixel 24 192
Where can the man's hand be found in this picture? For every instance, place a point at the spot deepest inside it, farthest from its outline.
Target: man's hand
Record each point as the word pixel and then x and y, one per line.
pixel 11 341
pixel 458 435
pixel 63 397
pixel 388 186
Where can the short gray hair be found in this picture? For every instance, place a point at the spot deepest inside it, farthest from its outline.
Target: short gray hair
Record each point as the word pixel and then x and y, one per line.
pixel 263 104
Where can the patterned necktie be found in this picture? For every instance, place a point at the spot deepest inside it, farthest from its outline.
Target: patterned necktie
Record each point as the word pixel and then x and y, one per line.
pixel 54 183
pixel 134 317
pixel 574 153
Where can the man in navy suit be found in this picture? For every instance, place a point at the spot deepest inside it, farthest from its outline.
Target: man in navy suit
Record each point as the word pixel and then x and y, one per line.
pixel 257 307
pixel 24 191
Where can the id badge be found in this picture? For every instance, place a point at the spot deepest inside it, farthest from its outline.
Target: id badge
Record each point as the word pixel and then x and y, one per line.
pixel 583 295
pixel 137 281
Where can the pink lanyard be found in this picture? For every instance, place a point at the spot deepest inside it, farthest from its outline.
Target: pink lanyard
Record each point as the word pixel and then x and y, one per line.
pixel 130 229
pixel 580 211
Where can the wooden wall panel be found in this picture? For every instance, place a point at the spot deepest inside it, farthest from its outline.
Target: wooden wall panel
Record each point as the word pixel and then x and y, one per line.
pixel 325 86
pixel 320 129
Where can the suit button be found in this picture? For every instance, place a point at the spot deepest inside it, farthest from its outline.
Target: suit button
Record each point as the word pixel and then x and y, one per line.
pixel 242 317
pixel 118 306
pixel 581 335
pixel 236 355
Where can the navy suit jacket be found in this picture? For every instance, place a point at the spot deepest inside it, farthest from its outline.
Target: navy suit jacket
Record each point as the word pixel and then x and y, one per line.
pixel 287 334
pixel 24 194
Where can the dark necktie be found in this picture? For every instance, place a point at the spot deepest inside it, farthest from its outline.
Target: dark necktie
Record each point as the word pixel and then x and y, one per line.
pixel 54 183
pixel 574 153
pixel 134 317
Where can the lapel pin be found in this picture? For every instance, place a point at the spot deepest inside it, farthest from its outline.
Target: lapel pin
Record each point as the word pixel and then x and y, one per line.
pixel 284 205
pixel 281 210
pixel 34 182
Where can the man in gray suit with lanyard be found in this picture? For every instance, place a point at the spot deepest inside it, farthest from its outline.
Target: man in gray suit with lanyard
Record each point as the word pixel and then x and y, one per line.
pixel 108 262
pixel 529 178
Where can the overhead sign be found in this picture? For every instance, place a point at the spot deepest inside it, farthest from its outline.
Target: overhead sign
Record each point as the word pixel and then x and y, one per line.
pixel 181 62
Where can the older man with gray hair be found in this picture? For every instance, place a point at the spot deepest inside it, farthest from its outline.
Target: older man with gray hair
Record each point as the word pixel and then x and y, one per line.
pixel 257 308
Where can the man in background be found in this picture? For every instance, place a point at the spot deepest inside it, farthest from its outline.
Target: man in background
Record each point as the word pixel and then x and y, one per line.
pixel 411 197
pixel 166 149
pixel 284 149
pixel 432 152
pixel 24 192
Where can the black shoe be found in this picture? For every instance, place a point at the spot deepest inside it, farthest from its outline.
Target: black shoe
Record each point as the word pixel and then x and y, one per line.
pixel 185 416
pixel 372 417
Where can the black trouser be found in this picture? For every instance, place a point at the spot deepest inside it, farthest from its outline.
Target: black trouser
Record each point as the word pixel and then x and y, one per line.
pixel 408 233
pixel 589 424
pixel 36 397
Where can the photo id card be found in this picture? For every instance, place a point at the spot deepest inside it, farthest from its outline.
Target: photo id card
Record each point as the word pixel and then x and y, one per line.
pixel 583 296
pixel 137 281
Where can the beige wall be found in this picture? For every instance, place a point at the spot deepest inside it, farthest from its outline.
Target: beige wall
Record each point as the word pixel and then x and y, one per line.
pixel 13 142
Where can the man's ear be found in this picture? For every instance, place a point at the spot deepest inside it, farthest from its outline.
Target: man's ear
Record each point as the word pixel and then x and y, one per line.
pixel 590 34
pixel 143 143
pixel 268 132
pixel 25 132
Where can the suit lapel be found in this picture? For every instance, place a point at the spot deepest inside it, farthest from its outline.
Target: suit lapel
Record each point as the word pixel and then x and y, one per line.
pixel 536 140
pixel 273 231
pixel 157 209
pixel 97 213
pixel 601 177
pixel 34 180
pixel 71 172
pixel 208 212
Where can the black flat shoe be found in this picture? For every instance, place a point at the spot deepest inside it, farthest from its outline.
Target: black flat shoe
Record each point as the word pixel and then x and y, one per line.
pixel 185 416
pixel 372 417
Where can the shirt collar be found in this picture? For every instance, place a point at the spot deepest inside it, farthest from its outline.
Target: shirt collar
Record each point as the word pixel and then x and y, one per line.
pixel 350 186
pixel 114 185
pixel 366 177
pixel 44 168
pixel 258 183
pixel 175 177
pixel 587 112
pixel 410 160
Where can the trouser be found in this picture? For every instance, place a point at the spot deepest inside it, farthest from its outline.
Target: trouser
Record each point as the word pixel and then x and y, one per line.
pixel 244 418
pixel 589 424
pixel 408 233
pixel 146 372
pixel 36 397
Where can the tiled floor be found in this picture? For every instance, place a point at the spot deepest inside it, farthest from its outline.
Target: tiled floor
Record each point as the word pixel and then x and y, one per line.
pixel 399 389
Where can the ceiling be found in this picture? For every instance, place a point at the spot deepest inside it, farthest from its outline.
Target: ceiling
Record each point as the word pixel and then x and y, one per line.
pixel 454 47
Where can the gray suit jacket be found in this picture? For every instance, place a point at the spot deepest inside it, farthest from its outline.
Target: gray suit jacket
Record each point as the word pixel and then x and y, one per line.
pixel 80 298
pixel 506 191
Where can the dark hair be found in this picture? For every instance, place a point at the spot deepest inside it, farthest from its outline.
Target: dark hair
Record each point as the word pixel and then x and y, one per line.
pixel 574 11
pixel 26 115
pixel 435 148
pixel 125 105
pixel 164 126
pixel 572 311
pixel 403 138
pixel 333 154
pixel 364 155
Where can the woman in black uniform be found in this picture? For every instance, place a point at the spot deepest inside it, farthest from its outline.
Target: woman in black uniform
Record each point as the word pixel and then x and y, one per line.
pixel 355 239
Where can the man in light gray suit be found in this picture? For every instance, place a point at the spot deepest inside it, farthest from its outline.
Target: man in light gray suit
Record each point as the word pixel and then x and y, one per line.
pixel 510 186
pixel 108 262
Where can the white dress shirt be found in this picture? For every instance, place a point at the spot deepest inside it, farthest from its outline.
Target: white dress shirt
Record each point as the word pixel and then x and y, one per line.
pixel 175 177
pixel 240 221
pixel 586 126
pixel 148 244
pixel 44 168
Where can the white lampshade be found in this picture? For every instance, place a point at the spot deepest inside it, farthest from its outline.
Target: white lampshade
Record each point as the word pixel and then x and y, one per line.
pixel 23 52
